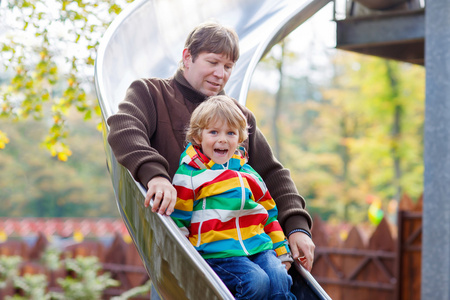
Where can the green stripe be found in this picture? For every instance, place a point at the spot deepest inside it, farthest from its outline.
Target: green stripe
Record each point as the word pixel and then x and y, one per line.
pixel 232 253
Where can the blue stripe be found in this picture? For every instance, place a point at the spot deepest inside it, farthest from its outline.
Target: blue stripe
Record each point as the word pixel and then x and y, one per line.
pixel 220 246
pixel 182 218
pixel 257 240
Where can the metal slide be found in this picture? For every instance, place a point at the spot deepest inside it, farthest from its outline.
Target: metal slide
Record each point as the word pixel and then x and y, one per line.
pixel 146 40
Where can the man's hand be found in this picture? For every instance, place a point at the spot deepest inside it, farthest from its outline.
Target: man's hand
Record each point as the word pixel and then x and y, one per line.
pixel 302 249
pixel 163 193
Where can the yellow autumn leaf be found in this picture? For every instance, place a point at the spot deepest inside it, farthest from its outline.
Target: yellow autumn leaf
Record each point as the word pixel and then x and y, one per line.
pixel 3 236
pixel 64 154
pixel 78 236
pixel 3 139
pixel 127 238
pixel 62 157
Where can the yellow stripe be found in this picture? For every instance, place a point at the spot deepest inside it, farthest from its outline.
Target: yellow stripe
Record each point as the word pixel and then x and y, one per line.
pixel 276 236
pixel 213 235
pixel 267 204
pixel 191 151
pixel 281 251
pixel 219 187
pixel 185 205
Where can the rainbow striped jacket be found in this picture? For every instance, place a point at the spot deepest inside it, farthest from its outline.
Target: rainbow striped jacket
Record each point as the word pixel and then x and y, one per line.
pixel 225 210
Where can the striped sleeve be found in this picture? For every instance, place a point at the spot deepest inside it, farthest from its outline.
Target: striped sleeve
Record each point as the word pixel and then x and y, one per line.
pixel 272 227
pixel 182 213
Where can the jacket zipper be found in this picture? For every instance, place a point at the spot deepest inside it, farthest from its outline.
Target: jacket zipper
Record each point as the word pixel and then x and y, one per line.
pixel 237 218
pixel 201 223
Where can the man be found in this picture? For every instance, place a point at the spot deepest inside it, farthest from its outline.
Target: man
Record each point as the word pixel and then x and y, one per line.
pixel 147 135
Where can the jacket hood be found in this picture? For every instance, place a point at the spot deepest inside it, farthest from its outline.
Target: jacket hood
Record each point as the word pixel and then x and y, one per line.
pixel 194 157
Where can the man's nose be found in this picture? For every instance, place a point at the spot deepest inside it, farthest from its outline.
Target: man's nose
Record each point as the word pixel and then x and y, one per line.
pixel 219 71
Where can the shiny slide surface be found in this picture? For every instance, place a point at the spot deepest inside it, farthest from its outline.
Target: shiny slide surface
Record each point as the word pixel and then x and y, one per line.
pixel 146 40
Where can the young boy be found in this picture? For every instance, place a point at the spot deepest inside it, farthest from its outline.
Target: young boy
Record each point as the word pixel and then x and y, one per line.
pixel 225 209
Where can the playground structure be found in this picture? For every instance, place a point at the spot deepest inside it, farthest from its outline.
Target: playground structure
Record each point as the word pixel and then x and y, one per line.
pixel 416 32
pixel 166 254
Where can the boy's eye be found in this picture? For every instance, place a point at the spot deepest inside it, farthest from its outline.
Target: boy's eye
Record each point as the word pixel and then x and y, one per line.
pixel 213 132
pixel 231 133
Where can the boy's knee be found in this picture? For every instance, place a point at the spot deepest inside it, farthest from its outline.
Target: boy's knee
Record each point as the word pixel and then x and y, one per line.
pixel 257 286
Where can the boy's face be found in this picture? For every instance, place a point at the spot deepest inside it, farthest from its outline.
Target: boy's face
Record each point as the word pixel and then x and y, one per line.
pixel 209 73
pixel 219 141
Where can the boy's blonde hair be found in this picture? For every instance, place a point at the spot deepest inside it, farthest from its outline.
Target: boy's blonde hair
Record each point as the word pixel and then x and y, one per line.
pixel 217 108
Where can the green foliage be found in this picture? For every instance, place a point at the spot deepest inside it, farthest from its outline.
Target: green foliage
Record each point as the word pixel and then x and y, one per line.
pixel 357 136
pixel 33 184
pixel 48 51
pixel 88 281
pixel 87 284
pixel 51 258
pixel 9 269
pixel 134 292
pixel 33 287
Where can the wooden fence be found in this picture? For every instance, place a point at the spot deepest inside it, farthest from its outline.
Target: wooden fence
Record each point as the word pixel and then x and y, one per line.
pixel 384 265
pixel 120 259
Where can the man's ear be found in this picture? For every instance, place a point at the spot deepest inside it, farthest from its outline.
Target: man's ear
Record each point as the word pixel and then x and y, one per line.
pixel 187 57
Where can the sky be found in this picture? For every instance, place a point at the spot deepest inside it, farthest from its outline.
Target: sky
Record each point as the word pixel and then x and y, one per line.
pixel 313 42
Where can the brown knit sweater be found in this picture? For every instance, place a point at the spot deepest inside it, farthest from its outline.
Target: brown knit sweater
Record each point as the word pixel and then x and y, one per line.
pixel 147 136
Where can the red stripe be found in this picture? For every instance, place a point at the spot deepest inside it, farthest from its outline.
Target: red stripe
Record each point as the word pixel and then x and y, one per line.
pixel 253 184
pixel 214 224
pixel 274 226
pixel 252 220
pixel 217 225
pixel 225 175
pixel 184 193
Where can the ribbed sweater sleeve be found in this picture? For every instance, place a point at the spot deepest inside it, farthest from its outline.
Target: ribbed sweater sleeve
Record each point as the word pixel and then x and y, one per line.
pixel 130 129
pixel 291 206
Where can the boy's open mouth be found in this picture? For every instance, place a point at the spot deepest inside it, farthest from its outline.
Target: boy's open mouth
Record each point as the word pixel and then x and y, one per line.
pixel 221 151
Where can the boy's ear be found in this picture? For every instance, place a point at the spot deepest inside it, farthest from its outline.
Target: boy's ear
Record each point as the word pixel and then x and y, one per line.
pixel 197 141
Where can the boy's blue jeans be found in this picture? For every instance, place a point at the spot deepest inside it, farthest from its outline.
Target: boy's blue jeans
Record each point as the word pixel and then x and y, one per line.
pixel 260 276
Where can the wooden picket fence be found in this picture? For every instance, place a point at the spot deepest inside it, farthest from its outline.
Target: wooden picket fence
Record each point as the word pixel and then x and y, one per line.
pixel 120 259
pixel 382 264
pixel 385 265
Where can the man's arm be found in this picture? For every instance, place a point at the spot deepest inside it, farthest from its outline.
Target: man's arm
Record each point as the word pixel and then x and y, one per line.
pixel 131 129
pixel 291 206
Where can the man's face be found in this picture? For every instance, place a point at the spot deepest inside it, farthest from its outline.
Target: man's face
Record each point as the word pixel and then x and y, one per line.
pixel 209 72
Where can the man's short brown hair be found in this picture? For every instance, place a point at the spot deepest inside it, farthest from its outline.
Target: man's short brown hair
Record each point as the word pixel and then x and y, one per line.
pixel 212 37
